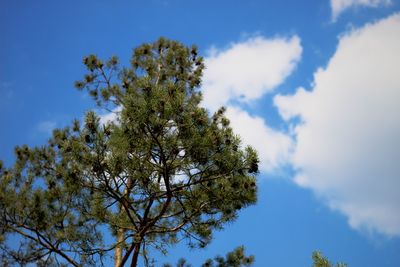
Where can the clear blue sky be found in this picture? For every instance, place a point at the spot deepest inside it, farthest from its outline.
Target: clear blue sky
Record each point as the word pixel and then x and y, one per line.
pixel 317 190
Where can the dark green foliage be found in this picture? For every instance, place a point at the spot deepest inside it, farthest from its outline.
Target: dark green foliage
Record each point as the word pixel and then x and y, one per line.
pixel 164 171
pixel 235 258
pixel 320 261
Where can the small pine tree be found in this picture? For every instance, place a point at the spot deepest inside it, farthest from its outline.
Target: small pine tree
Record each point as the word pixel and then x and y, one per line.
pixel 235 258
pixel 162 172
pixel 320 261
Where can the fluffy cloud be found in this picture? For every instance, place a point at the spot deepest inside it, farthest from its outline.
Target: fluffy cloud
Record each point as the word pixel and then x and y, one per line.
pixel 247 70
pixel 338 6
pixel 273 147
pixel 109 117
pixel 347 142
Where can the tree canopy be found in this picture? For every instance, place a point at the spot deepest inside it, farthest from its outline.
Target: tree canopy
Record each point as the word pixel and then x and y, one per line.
pixel 163 171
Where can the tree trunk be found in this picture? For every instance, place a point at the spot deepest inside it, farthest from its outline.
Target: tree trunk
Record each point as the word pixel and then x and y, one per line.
pixel 135 255
pixel 119 248
pixel 121 232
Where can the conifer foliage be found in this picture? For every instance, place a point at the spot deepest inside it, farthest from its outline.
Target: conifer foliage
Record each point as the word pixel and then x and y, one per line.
pixel 320 261
pixel 164 171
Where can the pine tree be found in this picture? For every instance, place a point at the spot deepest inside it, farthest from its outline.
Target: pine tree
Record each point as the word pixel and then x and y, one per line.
pixel 162 172
pixel 320 261
pixel 235 258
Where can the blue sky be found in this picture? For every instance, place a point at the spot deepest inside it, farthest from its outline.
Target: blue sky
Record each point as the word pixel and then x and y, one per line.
pixel 313 85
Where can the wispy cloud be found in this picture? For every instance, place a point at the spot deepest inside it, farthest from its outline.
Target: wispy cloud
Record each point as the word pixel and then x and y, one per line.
pixel 6 90
pixel 46 127
pixel 338 6
pixel 347 145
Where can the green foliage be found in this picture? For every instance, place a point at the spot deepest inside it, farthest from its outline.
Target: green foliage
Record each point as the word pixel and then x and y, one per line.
pixel 163 171
pixel 235 258
pixel 320 261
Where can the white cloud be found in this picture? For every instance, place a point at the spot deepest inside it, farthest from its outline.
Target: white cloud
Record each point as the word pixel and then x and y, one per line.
pixel 247 70
pixel 347 144
pixel 273 147
pixel 338 6
pixel 111 116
